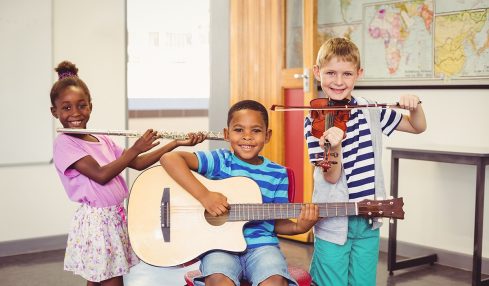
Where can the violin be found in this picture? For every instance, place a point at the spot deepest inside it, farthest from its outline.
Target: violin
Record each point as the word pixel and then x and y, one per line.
pixel 323 119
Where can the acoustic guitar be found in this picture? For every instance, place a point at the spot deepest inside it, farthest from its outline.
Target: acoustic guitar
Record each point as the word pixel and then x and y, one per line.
pixel 169 227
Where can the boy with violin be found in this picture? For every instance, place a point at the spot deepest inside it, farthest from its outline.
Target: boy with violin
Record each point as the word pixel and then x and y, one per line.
pixel 345 146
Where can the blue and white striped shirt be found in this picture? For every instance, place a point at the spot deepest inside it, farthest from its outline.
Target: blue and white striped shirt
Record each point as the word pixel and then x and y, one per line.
pixel 357 150
pixel 270 177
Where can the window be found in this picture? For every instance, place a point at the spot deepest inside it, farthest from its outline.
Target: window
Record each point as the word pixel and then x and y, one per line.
pixel 168 54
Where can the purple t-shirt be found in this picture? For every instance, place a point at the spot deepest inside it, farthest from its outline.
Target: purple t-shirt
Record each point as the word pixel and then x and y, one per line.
pixel 79 188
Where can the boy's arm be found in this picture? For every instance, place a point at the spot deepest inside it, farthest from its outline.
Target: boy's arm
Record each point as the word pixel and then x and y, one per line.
pixel 308 217
pixel 415 122
pixel 178 165
pixel 334 135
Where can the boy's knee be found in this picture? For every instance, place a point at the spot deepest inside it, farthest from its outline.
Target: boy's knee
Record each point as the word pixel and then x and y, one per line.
pixel 275 280
pixel 218 279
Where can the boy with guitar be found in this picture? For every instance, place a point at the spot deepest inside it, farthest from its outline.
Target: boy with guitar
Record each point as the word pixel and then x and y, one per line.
pixel 262 262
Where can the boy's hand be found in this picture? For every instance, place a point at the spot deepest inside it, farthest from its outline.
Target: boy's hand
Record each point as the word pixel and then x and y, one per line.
pixel 146 142
pixel 308 217
pixel 333 135
pixel 409 101
pixel 215 203
pixel 192 140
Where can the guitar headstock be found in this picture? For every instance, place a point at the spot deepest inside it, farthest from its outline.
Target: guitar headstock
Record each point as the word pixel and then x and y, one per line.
pixel 381 208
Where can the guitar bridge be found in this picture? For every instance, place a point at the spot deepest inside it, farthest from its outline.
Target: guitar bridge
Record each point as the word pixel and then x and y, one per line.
pixel 165 214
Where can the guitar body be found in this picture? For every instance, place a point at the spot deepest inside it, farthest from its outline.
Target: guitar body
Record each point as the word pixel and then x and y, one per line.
pixel 190 233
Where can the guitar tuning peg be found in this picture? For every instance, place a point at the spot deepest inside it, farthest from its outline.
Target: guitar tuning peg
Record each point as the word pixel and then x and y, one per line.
pixel 391 220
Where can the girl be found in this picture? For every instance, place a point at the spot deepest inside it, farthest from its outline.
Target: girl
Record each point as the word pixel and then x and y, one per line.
pixel 90 167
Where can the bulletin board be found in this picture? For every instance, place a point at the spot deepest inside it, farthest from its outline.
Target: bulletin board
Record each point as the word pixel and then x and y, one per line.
pixel 26 76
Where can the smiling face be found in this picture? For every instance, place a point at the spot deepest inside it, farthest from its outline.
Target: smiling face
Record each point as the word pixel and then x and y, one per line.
pixel 72 107
pixel 247 134
pixel 338 78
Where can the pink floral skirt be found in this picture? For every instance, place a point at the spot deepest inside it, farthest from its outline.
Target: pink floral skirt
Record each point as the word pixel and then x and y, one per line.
pixel 98 245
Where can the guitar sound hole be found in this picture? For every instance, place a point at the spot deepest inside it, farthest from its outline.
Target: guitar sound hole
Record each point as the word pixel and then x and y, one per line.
pixel 216 220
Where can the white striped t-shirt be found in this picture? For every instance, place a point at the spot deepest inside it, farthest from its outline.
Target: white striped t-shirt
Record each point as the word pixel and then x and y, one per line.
pixel 357 150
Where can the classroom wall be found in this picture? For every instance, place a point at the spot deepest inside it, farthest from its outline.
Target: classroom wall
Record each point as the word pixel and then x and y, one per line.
pixel 90 33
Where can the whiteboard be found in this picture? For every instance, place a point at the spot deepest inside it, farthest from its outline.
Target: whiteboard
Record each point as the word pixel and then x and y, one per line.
pixel 26 77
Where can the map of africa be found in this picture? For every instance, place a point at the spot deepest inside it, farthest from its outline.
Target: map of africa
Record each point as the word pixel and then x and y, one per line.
pixel 413 41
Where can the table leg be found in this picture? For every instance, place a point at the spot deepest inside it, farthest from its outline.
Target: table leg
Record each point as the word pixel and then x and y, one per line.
pixel 392 263
pixel 392 245
pixel 478 228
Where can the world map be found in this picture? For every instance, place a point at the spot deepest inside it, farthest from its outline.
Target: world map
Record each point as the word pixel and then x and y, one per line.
pixel 428 41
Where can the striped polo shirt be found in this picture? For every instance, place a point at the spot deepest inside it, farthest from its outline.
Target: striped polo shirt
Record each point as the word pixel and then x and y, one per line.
pixel 357 150
pixel 270 177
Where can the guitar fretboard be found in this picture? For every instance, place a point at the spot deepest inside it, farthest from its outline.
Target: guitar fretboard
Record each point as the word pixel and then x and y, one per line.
pixel 246 212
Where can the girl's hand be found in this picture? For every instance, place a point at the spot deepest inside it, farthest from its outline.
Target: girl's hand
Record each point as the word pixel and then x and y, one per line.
pixel 333 135
pixel 215 203
pixel 193 139
pixel 409 101
pixel 308 217
pixel 146 142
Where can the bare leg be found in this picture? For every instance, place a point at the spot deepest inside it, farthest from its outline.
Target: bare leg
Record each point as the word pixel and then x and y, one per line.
pixel 90 283
pixel 115 281
pixel 275 280
pixel 218 279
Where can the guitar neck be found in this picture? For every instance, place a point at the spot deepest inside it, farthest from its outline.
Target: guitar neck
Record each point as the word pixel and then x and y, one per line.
pixel 247 212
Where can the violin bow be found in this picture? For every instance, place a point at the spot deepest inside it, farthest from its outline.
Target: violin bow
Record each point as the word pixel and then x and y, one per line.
pixel 278 107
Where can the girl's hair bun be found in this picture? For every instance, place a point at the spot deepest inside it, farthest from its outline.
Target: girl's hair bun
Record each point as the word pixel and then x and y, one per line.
pixel 66 69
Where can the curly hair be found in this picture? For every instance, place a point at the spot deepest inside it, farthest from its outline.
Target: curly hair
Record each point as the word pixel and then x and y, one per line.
pixel 67 76
pixel 251 105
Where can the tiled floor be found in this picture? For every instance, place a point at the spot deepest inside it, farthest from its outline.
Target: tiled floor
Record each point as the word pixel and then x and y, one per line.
pixel 46 269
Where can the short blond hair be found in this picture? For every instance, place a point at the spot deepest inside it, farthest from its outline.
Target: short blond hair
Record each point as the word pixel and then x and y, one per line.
pixel 342 48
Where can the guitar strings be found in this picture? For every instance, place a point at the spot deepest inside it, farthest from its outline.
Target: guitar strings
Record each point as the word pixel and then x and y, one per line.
pixel 277 205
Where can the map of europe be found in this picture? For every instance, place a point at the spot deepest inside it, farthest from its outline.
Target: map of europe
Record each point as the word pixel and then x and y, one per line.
pixel 422 40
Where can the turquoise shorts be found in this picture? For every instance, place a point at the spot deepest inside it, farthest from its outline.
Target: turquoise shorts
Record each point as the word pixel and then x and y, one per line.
pixel 255 265
pixel 354 263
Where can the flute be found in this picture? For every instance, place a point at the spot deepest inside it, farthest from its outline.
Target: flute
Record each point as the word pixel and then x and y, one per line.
pixel 209 135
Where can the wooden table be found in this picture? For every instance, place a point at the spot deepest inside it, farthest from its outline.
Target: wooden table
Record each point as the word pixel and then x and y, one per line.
pixel 456 155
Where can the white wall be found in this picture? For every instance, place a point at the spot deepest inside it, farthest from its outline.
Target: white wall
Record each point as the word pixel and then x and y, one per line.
pixel 439 197
pixel 92 35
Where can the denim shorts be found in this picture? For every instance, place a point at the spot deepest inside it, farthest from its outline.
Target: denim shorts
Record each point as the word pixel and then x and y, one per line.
pixel 255 265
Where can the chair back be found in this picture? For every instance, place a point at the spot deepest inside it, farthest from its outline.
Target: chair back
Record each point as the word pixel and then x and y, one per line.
pixel 291 190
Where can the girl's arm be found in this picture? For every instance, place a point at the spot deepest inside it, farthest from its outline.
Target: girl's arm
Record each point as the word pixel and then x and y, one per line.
pixel 145 160
pixel 308 217
pixel 89 167
pixel 178 166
